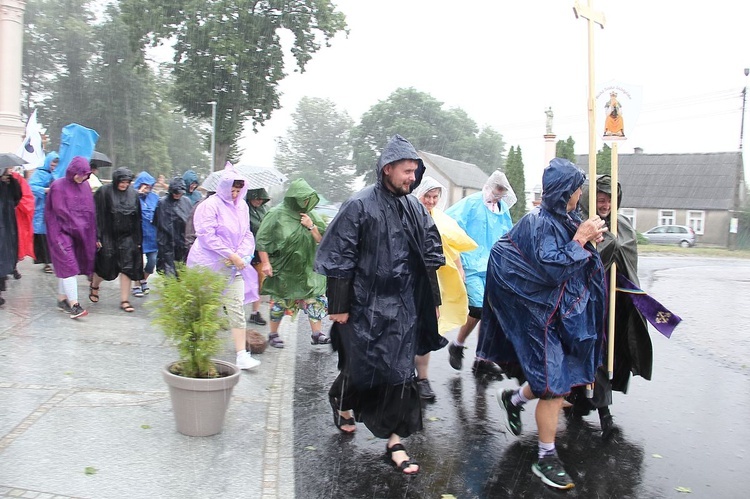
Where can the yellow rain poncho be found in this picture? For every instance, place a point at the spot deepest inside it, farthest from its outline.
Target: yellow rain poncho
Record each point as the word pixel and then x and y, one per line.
pixel 455 305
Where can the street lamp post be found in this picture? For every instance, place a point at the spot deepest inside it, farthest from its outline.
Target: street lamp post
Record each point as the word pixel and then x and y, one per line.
pixel 213 135
pixel 744 97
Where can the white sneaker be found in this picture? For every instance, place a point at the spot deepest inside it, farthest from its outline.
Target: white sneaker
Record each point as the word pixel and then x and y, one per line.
pixel 246 361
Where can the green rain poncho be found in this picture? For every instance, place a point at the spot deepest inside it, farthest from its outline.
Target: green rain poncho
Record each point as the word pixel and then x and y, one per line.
pixel 290 246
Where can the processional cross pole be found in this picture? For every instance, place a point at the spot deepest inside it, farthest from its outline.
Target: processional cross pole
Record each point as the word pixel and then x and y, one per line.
pixel 593 17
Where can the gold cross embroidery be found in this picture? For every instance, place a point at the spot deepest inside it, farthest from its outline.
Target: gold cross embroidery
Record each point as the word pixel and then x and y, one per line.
pixel 663 317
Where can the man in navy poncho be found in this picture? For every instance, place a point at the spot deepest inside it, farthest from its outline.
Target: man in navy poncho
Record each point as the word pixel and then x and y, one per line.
pixel 544 309
pixel 380 255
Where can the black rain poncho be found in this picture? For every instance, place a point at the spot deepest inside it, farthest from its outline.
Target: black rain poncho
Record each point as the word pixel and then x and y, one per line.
pixel 544 303
pixel 380 255
pixel 633 348
pixel 119 230
pixel 10 196
pixel 170 219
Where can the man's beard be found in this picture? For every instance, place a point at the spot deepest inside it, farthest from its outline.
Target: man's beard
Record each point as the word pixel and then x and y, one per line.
pixel 396 189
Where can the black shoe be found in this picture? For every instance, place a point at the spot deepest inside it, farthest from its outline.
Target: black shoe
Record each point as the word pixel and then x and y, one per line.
pixel 425 390
pixel 552 473
pixel 62 306
pixel 77 311
pixel 319 339
pixel 256 319
pixel 512 412
pixel 455 356
pixel 16 274
pixel 486 368
pixel 609 428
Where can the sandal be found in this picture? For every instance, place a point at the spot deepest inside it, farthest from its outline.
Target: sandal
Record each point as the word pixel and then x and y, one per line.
pixel 340 420
pixel 126 306
pixel 275 341
pixel 320 339
pixel 47 269
pixel 403 465
pixel 94 297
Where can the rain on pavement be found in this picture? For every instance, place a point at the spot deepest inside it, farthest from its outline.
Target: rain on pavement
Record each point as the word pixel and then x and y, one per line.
pixel 685 433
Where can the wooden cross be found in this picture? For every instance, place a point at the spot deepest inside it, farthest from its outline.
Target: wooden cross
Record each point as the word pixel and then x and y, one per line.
pixel 592 17
pixel 596 17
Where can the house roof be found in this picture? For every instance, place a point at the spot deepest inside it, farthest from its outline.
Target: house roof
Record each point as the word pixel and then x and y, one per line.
pixel 705 181
pixel 460 173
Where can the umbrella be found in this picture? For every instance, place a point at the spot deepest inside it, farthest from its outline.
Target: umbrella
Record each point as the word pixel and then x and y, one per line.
pixel 8 160
pixel 99 159
pixel 255 177
pixel 260 177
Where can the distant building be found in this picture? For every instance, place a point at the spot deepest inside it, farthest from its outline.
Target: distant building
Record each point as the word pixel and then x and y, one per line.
pixel 461 179
pixel 703 191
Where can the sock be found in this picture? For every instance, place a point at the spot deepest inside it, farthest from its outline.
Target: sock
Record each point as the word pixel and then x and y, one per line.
pixel 241 352
pixel 546 449
pixel 518 397
pixel 455 342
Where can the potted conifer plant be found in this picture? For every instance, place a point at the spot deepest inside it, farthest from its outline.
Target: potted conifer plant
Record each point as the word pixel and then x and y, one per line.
pixel 188 309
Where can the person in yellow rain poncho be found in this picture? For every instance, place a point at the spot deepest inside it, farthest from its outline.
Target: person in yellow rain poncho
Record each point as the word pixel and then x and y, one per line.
pixel 455 301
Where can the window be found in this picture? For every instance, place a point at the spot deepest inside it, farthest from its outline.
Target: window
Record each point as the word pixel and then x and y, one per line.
pixel 629 213
pixel 666 217
pixel 695 220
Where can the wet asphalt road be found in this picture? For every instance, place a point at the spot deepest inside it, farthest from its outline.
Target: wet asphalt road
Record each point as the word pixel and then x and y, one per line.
pixel 683 434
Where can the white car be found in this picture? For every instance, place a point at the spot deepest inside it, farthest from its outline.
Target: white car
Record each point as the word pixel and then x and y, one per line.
pixel 671 234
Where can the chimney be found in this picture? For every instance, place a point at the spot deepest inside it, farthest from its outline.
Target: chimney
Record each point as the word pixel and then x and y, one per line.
pixel 637 150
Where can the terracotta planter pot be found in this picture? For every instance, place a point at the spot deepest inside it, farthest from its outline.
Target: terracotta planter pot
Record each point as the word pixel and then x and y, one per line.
pixel 199 405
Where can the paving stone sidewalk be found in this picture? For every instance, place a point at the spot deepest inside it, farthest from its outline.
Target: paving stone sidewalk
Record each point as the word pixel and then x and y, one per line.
pixel 84 412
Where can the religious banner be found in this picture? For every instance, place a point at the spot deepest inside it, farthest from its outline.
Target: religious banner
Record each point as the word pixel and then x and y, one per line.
pixel 31 148
pixel 618 106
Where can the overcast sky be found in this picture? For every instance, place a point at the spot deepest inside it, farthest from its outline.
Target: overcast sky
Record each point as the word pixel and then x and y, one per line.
pixel 505 62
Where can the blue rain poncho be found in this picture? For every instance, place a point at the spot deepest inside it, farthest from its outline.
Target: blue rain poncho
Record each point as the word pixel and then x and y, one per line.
pixel 545 304
pixel 148 207
pixel 485 227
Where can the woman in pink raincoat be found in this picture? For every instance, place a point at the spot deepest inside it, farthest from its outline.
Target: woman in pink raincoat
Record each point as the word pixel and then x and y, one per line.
pixel 225 243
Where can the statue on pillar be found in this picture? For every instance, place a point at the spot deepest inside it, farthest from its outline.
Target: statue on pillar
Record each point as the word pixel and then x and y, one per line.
pixel 550 115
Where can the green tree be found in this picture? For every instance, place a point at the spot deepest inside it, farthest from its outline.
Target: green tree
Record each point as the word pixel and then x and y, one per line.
pixel 566 149
pixel 516 177
pixel 604 160
pixel 41 56
pixel 318 148
pixel 488 150
pixel 421 119
pixel 80 69
pixel 185 145
pixel 230 52
pixel 56 62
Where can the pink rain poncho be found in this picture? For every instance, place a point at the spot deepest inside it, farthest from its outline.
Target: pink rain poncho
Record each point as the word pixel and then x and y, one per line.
pixel 71 222
pixel 222 227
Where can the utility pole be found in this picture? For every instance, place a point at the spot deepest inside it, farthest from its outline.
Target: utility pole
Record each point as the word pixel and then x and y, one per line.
pixel 744 97
pixel 213 135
